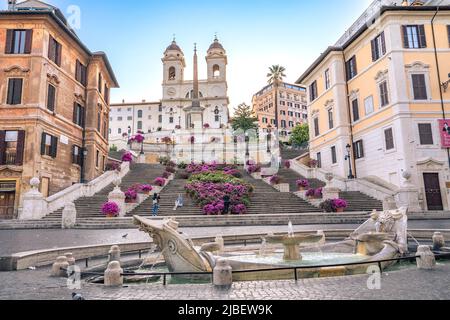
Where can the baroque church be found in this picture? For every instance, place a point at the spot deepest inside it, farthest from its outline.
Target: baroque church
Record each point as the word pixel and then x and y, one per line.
pixel 194 104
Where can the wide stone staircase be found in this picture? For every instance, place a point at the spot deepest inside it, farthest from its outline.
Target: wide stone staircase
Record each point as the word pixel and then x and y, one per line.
pixel 356 200
pixel 90 207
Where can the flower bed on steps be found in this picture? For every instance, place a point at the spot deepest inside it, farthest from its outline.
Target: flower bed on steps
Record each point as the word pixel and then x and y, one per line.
pixel 209 188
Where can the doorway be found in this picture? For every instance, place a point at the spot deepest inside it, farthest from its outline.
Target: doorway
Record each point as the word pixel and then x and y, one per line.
pixel 433 191
pixel 7 200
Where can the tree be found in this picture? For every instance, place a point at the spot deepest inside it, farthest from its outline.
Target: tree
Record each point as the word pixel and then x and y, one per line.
pixel 244 118
pixel 300 134
pixel 276 75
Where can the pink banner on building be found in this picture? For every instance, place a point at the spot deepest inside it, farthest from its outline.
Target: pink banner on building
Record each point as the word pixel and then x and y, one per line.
pixel 444 128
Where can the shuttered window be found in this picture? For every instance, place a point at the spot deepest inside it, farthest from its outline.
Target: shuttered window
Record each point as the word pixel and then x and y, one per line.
pixel 319 160
pixel 316 127
pixel 100 82
pixel 49 145
pixel 76 155
pixel 333 155
pixel 18 41
pixel 426 134
pixel 14 91
pixel 54 51
pixel 12 146
pixel 414 37
pixel 51 98
pixel 384 94
pixel 313 91
pixel 389 139
pixel 79 115
pixel 355 110
pixel 358 149
pixel 351 68
pixel 81 73
pixel 378 47
pixel 419 87
pixel 330 119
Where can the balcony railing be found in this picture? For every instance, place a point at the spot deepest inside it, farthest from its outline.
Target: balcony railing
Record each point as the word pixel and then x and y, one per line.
pixel 11 158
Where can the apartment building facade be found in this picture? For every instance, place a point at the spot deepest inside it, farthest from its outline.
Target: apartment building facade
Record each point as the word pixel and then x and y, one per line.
pixel 54 104
pixel 378 103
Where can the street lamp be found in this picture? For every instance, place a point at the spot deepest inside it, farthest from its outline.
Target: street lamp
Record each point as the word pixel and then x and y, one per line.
pixel 247 140
pixel 349 159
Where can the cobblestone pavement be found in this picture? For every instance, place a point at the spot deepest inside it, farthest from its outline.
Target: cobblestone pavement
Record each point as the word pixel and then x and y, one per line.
pixel 13 241
pixel 410 284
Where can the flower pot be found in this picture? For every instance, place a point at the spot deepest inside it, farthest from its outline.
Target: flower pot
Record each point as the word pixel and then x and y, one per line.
pixel 340 210
pixel 301 188
pixel 110 216
pixel 130 200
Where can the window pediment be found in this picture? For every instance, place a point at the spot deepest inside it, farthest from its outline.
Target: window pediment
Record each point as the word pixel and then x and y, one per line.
pixel 354 94
pixel 381 75
pixel 16 71
pixel 417 66
pixel 53 79
pixel 329 103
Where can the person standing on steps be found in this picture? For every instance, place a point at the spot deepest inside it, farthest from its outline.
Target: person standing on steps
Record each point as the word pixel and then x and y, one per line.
pixel 156 200
pixel 179 202
pixel 226 204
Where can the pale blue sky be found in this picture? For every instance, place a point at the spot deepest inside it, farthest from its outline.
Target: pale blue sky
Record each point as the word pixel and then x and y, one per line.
pixel 255 33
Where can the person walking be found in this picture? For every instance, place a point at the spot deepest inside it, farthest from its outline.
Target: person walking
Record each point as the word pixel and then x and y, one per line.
pixel 179 202
pixel 156 200
pixel 226 204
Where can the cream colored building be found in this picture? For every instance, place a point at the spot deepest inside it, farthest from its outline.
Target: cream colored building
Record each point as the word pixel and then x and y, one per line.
pixel 378 90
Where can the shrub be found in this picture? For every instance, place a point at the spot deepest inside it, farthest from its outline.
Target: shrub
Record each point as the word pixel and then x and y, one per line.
pixel 275 180
pixel 233 172
pixel 170 169
pixel 340 204
pixel 111 166
pixel 166 175
pixel 166 140
pixel 318 193
pixel 206 126
pixel 171 164
pixel 287 164
pixel 253 168
pixel 139 138
pixel 313 163
pixel 131 194
pixel 164 160
pixel 239 209
pixel 113 148
pixel 160 181
pixel 177 127
pixel 310 193
pixel 146 188
pixel 110 209
pixel 182 175
pixel 182 165
pixel 327 206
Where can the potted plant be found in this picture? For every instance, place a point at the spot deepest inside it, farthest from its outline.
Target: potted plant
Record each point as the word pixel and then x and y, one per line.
pixel 160 182
pixel 313 163
pixel 110 209
pixel 302 184
pixel 318 193
pixel 310 193
pixel 327 206
pixel 127 157
pixel 287 164
pixel 130 196
pixel 146 188
pixel 340 205
pixel 206 126
pixel 170 169
pixel 139 138
pixel 274 180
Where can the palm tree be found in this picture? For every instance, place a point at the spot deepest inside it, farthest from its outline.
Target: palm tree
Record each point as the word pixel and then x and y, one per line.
pixel 276 75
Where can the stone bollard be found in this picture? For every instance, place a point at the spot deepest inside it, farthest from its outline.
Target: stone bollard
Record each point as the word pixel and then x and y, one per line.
pixel 223 274
pixel 438 241
pixel 70 258
pixel 426 260
pixel 113 275
pixel 61 263
pixel 69 216
pixel 114 254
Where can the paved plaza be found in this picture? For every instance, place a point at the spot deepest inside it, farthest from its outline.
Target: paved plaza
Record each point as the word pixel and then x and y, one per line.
pixel 411 284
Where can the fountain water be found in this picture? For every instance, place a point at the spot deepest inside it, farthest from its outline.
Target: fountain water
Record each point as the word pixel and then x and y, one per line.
pixel 262 250
pixel 290 230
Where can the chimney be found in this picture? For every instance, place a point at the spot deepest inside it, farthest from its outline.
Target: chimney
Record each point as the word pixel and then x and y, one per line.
pixel 12 5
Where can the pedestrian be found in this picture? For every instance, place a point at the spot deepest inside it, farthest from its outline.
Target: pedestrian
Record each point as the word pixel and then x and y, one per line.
pixel 179 202
pixel 226 204
pixel 156 200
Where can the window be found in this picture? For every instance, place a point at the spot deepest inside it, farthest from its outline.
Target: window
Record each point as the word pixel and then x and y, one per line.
pixel 49 145
pixel 316 126
pixel 106 94
pixel 139 125
pixel 384 95
pixel 414 37
pixel 368 105
pixel 358 149
pixel 333 155
pixel 105 128
pixel 97 159
pixel 283 123
pixel 389 139
pixel 78 115
pixel 330 119
pixel 119 118
pixel 54 51
pixel 351 69
pixel 140 114
pixel 99 120
pixel 119 131
pixel 313 91
pixel 103 163
pixel 378 47
pixel 12 145
pixel 355 110
pixel 419 87
pixel 172 73
pixel 160 108
pixel 51 95
pixel 18 41
pixel 80 73
pixel 100 83
pixel 319 160
pixel 14 91
pixel 160 119
pixel 171 120
pixel 216 71
pixel 129 118
pixel 327 79
pixel 426 134
pixel 76 155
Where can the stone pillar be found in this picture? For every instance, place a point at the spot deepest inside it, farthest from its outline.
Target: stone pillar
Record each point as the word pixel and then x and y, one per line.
pixel 118 197
pixel 114 254
pixel 438 241
pixel 223 274
pixel 61 263
pixel 70 258
pixel 113 275
pixel 330 192
pixel 69 216
pixel 408 196
pixel 426 258
pixel 34 203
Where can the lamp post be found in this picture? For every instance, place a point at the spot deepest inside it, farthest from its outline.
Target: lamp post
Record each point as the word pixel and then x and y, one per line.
pixel 173 143
pixel 247 140
pixel 349 159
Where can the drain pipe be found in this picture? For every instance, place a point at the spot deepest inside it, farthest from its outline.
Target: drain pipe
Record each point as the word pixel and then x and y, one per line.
pixel 439 73
pixel 347 101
